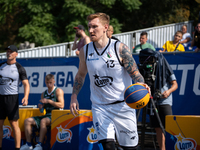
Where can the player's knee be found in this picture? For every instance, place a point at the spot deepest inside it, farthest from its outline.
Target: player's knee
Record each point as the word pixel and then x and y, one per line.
pixel 108 145
pixel 42 122
pixel 27 121
pixel 45 122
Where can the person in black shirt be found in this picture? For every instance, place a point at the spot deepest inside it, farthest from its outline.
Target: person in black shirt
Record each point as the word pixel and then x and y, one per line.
pixel 196 38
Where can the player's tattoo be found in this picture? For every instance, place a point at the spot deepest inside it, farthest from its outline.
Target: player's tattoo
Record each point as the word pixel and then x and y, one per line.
pixel 78 83
pixel 130 65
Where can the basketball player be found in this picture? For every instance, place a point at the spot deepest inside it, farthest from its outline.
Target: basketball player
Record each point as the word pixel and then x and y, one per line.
pixel 111 69
pixel 11 72
pixel 52 98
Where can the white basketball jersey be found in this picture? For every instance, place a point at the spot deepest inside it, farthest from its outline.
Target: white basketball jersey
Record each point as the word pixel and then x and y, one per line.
pixel 108 78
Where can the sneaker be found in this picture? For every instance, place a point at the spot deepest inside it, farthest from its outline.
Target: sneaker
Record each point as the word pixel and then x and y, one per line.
pixel 26 147
pixel 38 147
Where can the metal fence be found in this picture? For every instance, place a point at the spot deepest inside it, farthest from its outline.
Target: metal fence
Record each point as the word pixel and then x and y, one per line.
pixel 57 50
pixel 157 36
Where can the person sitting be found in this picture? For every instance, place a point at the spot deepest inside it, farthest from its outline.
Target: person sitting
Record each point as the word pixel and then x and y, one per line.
pixel 110 32
pixel 171 46
pixel 84 39
pixel 186 39
pixel 52 98
pixel 143 43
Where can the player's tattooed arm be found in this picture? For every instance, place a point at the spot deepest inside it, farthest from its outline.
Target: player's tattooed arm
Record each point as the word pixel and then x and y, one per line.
pixel 80 76
pixel 129 63
pixel 78 83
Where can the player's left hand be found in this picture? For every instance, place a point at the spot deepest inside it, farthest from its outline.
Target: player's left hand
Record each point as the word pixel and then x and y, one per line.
pixel 166 94
pixel 44 101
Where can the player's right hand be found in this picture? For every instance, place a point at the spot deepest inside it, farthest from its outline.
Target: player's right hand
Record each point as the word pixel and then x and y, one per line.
pixel 74 105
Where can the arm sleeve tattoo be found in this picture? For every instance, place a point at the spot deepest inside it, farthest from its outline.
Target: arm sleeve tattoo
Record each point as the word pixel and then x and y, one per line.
pixel 130 64
pixel 78 83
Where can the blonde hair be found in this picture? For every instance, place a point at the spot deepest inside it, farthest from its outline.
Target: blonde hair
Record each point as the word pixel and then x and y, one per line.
pixel 180 32
pixel 49 77
pixel 104 19
pixel 111 28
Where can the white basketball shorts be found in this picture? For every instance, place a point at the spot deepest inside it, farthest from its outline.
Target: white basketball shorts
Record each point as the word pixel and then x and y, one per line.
pixel 116 119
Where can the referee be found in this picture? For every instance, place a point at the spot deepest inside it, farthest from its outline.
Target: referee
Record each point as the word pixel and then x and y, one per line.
pixel 11 72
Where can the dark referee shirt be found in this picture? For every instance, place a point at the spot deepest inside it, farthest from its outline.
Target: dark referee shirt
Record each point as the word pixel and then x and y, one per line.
pixel 10 76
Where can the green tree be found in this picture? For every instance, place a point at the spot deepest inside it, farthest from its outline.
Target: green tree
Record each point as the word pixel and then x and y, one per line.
pixel 49 22
pixel 46 22
pixel 155 13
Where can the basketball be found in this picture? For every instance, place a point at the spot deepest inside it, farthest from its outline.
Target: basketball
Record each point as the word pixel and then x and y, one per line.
pixel 136 96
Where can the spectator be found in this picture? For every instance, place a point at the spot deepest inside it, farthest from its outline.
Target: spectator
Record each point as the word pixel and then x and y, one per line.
pixel 143 43
pixel 110 32
pixel 11 72
pixel 84 39
pixel 171 46
pixel 186 39
pixel 196 38
pixel 52 98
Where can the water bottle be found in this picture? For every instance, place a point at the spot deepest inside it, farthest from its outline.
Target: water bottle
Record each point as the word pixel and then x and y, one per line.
pixel 42 109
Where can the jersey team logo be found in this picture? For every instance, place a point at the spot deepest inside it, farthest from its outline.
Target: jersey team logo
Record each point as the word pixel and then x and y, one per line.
pixel 63 135
pixel 185 143
pixel 102 81
pixel 92 136
pixel 5 80
pixel 109 55
pixel 6 132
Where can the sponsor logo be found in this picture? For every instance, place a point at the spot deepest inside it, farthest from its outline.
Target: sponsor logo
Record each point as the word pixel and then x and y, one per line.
pixel 92 59
pixel 127 132
pixel 184 143
pixel 5 80
pixel 102 81
pixel 97 127
pixel 92 136
pixel 6 132
pixel 140 104
pixel 91 54
pixel 133 138
pixel 63 135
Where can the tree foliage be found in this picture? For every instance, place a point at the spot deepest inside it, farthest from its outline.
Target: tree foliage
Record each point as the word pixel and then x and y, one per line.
pixel 46 22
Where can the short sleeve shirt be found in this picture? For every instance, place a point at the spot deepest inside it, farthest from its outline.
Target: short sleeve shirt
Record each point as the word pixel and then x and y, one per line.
pixel 186 35
pixel 140 47
pixel 10 76
pixel 170 47
pixel 167 86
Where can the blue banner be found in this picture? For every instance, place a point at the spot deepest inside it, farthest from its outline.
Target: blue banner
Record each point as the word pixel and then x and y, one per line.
pixel 186 66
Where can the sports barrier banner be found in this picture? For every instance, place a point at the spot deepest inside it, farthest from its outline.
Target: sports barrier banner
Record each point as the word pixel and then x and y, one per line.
pixel 186 66
pixel 182 132
pixel 73 133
